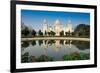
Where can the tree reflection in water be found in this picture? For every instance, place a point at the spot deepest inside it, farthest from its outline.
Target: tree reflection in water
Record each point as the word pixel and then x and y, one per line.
pixel 82 44
pixel 24 44
pixel 33 43
pixel 62 42
pixel 50 42
pixel 40 42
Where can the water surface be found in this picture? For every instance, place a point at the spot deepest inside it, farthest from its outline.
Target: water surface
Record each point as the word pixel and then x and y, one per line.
pixel 54 50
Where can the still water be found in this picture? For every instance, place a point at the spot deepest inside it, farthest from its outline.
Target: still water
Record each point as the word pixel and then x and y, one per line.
pixel 54 50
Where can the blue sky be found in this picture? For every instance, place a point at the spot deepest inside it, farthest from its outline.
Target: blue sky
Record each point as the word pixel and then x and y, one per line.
pixel 35 18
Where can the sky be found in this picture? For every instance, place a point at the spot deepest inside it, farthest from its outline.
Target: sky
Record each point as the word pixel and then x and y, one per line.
pixel 35 18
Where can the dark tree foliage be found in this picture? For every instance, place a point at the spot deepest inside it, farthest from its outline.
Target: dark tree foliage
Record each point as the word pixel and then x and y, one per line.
pixel 82 30
pixel 40 42
pixel 62 33
pixel 25 44
pixel 67 33
pixel 33 32
pixel 40 33
pixel 45 33
pixel 25 32
pixel 24 57
pixel 33 43
pixel 52 33
pixel 49 33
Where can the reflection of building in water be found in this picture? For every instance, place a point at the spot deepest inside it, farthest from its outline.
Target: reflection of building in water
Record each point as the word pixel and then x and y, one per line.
pixel 57 45
pixel 57 27
pixel 45 44
pixel 68 43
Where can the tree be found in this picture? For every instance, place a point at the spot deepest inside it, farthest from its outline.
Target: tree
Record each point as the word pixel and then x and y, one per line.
pixel 82 30
pixel 52 33
pixel 87 30
pixel 33 32
pixel 25 31
pixel 62 33
pixel 45 33
pixel 40 33
pixel 49 33
pixel 68 33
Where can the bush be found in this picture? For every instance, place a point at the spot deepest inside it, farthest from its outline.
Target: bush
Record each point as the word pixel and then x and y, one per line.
pixel 44 58
pixel 76 56
pixel 24 57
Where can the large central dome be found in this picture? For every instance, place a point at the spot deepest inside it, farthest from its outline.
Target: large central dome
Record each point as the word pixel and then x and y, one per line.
pixel 57 22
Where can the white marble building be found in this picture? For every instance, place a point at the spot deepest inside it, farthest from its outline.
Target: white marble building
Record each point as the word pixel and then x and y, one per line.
pixel 57 27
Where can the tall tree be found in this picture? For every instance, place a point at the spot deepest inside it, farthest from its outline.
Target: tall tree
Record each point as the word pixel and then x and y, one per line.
pixel 45 33
pixel 52 33
pixel 62 33
pixel 40 33
pixel 25 31
pixel 33 32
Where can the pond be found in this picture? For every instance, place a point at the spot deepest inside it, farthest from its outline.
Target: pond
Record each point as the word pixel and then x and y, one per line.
pixel 54 50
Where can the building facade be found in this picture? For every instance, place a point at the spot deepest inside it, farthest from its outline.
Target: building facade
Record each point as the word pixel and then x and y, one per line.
pixel 57 27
